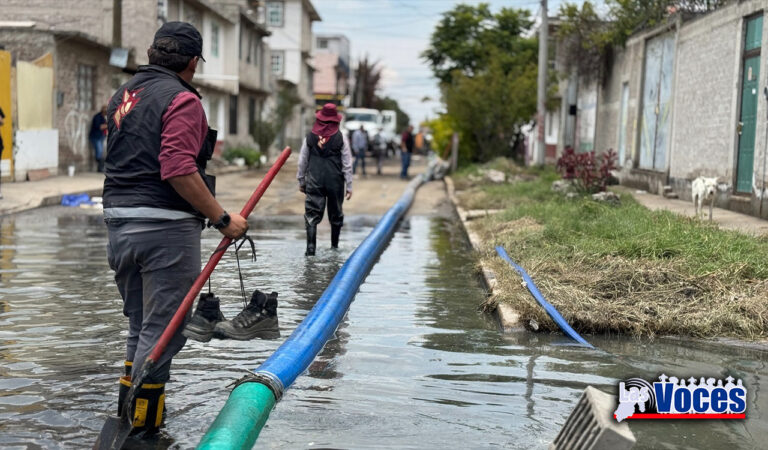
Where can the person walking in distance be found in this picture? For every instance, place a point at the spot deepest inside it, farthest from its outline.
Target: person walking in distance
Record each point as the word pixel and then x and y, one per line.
pixel 96 136
pixel 156 199
pixel 325 175
pixel 406 150
pixel 359 146
pixel 379 149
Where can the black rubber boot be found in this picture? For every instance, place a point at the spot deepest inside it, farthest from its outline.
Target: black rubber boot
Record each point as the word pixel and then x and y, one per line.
pixel 148 409
pixel 311 239
pixel 335 231
pixel 207 315
pixel 128 367
pixel 257 320
pixel 125 386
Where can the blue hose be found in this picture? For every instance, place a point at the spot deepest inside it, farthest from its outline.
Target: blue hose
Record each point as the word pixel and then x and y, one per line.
pixel 298 352
pixel 240 420
pixel 551 310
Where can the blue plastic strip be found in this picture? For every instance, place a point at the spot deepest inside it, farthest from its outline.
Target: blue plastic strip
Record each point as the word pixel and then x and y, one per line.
pixel 299 350
pixel 551 310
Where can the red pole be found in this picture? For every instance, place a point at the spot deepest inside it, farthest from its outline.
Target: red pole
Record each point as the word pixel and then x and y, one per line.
pixel 186 304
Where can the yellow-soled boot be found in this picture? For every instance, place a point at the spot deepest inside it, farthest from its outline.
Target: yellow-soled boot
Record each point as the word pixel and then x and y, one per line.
pixel 125 386
pixel 149 409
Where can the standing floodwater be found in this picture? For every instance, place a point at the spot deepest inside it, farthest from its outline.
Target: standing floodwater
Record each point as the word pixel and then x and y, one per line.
pixel 414 364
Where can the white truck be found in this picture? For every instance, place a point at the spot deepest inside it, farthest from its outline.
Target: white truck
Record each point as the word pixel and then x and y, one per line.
pixel 389 125
pixel 372 120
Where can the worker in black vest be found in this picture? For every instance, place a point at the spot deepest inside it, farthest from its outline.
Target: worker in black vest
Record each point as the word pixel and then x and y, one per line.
pixel 325 175
pixel 156 199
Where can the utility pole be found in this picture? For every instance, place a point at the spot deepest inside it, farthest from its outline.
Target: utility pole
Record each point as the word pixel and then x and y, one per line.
pixel 542 88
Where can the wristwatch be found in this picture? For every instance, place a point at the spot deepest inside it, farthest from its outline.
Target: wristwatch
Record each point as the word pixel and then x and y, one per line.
pixel 223 221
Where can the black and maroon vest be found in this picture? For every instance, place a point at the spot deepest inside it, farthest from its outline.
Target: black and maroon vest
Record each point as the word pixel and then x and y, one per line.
pixel 135 127
pixel 325 166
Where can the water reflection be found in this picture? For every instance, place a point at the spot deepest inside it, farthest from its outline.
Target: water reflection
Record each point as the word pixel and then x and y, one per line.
pixel 413 364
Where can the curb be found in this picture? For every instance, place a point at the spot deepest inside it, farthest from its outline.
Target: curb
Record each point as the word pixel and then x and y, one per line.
pixel 51 200
pixel 508 317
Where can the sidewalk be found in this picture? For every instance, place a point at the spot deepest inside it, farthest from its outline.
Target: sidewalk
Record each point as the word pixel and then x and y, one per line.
pixel 24 195
pixel 726 219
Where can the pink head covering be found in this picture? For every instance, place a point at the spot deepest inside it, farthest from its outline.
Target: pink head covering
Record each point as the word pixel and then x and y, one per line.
pixel 327 123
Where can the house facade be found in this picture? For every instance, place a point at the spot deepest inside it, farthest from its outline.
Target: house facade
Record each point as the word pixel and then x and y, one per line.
pixel 99 46
pixel 290 22
pixel 683 100
pixel 332 69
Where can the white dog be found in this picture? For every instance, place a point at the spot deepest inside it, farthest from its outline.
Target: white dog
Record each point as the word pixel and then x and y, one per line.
pixel 703 188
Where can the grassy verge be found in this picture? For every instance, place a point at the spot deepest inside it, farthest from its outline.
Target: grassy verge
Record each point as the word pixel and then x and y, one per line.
pixel 619 268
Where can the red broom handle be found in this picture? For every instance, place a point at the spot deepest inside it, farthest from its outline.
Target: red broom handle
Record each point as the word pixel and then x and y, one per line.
pixel 178 318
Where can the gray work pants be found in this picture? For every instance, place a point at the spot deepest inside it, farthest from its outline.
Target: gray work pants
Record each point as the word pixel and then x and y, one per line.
pixel 155 264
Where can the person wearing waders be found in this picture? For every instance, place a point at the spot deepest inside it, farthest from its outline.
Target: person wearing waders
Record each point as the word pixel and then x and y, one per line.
pixel 325 175
pixel 156 199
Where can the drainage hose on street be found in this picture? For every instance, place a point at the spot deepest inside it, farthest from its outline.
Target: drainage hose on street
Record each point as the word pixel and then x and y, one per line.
pixel 241 419
pixel 551 310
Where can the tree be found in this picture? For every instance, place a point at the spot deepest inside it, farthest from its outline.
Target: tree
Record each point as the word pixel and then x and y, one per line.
pixel 468 37
pixel 630 16
pixel 265 131
pixel 586 39
pixel 488 69
pixel 490 109
pixel 390 103
pixel 367 78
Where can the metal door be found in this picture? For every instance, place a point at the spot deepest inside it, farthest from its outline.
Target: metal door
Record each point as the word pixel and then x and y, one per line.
pixel 657 93
pixel 748 114
pixel 623 123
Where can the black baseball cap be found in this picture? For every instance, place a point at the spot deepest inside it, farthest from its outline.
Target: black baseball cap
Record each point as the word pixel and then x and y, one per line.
pixel 189 39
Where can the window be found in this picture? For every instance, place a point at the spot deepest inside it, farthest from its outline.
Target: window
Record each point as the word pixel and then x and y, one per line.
pixel 85 88
pixel 277 63
pixel 214 39
pixel 275 14
pixel 322 43
pixel 251 116
pixel 233 114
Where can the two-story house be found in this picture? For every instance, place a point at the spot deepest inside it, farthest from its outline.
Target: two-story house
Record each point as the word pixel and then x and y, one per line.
pixel 331 63
pixel 290 22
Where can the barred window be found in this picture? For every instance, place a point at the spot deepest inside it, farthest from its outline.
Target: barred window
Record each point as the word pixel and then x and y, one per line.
pixel 85 87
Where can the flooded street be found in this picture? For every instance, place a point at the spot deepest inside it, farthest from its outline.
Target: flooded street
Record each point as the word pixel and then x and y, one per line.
pixel 413 365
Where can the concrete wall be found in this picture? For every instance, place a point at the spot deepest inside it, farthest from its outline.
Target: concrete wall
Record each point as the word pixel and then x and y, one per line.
pixel 69 55
pixel 705 103
pixel 709 61
pixel 36 149
pixel 93 17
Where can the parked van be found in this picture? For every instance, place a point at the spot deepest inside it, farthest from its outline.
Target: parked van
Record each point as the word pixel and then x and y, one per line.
pixel 370 119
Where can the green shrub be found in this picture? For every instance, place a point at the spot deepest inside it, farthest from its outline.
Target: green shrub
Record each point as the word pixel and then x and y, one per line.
pixel 250 155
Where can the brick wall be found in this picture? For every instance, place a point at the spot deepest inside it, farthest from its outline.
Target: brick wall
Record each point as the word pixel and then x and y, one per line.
pixel 106 79
pixel 93 17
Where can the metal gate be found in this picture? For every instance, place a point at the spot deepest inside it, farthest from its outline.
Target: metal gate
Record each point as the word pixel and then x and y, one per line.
pixel 749 95
pixel 657 93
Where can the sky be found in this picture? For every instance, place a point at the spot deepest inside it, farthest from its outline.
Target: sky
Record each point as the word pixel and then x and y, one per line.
pixel 395 33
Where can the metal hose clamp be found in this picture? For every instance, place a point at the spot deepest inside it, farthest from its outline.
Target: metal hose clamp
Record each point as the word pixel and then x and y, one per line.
pixel 268 379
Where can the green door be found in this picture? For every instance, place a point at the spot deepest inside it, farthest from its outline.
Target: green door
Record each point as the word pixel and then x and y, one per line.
pixel 749 95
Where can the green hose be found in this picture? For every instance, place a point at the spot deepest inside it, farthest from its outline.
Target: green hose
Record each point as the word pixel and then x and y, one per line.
pixel 241 419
